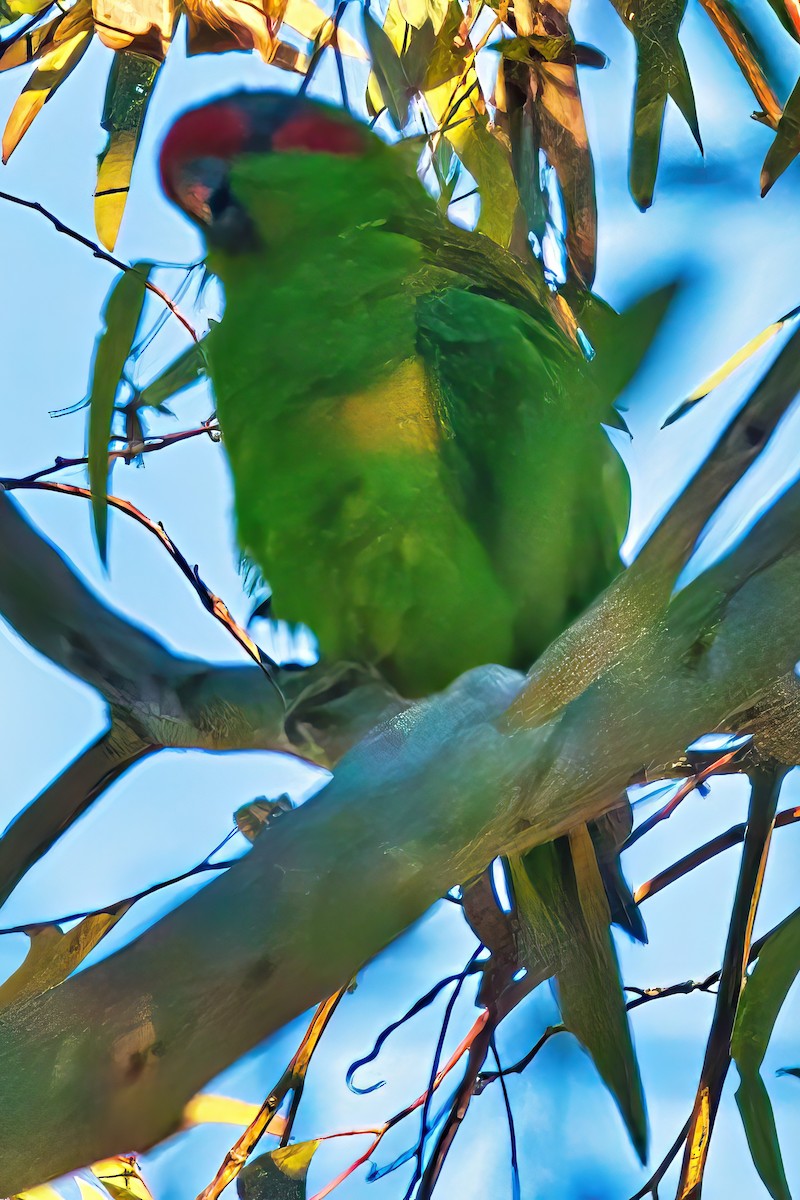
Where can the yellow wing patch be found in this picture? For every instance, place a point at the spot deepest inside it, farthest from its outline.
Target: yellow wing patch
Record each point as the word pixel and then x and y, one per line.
pixel 395 414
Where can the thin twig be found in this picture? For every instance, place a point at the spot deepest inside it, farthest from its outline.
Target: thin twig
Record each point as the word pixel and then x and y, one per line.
pixel 512 1134
pixel 696 858
pixel 132 450
pixel 683 791
pixel 99 252
pixel 424 1130
pixel 765 787
pixel 292 1080
pixel 129 901
pixel 209 600
pixel 478 1050
pixel 380 1132
pixel 651 1187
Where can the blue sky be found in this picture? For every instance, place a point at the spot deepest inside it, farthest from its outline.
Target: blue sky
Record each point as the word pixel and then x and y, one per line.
pixel 737 256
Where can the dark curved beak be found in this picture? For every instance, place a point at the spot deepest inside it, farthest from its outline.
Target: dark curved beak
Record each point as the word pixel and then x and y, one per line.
pixel 203 185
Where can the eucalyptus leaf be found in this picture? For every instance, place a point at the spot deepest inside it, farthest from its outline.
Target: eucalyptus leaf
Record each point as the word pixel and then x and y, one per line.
pixel 763 997
pixel 183 372
pixel 388 70
pixel 280 1175
pixel 661 72
pixel 564 923
pixel 122 314
pixel 130 86
pixel 786 145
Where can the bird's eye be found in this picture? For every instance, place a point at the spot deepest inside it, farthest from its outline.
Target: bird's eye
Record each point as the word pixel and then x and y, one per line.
pixel 219 200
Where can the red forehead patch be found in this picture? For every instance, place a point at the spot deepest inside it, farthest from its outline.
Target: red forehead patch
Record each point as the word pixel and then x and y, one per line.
pixel 215 131
pixel 319 133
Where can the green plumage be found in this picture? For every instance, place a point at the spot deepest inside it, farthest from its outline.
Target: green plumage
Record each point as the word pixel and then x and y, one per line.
pixel 422 475
pixel 419 465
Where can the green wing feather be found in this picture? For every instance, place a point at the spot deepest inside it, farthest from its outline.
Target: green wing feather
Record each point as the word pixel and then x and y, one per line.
pixel 419 464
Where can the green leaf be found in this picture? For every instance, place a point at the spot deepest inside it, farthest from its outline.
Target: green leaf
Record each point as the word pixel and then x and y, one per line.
pixel 12 10
pixel 533 48
pixel 764 993
pixel 184 371
pixel 781 12
pixel 661 72
pixel 388 70
pixel 758 1119
pixel 564 929
pixel 489 164
pixel 417 12
pixel 53 954
pixel 784 149
pixel 122 313
pixel 622 340
pixel 130 86
pixel 280 1175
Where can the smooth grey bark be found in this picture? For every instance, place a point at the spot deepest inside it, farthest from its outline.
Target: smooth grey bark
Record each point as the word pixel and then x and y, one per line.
pixel 105 1061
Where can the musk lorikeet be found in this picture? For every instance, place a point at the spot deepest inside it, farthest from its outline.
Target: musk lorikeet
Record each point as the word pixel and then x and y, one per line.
pixel 417 449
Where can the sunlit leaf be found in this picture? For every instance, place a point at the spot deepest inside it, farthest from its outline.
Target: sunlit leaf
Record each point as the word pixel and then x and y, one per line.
pixel 786 145
pixel 121 314
pixel 727 369
pixel 130 85
pixel 487 158
pixel 763 997
pixel 747 53
pixel 417 12
pixel 69 44
pixel 12 10
pixel 16 51
pixel 45 1191
pixel 308 19
pixel 53 954
pixel 143 25
pixel 280 1175
pixel 121 1178
pixel 205 1109
pixel 788 13
pixel 219 25
pixel 388 70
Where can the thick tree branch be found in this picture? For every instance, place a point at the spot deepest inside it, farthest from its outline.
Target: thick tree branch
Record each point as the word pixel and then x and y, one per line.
pixel 156 698
pixel 105 1061
pixel 38 826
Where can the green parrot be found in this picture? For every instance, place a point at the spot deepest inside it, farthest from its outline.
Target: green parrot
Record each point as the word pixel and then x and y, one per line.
pixel 417 450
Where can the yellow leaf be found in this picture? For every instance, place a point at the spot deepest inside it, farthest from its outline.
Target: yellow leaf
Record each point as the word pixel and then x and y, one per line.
pixel 727 369
pixel 293 1161
pixel 218 25
pixel 698 1146
pixel 70 43
pixel 19 50
pixel 13 9
pixel 146 25
pixel 53 954
pixel 88 1191
pixel 309 19
pixel 736 360
pixel 205 1109
pixel 45 1191
pixel 130 85
pixel 121 1178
